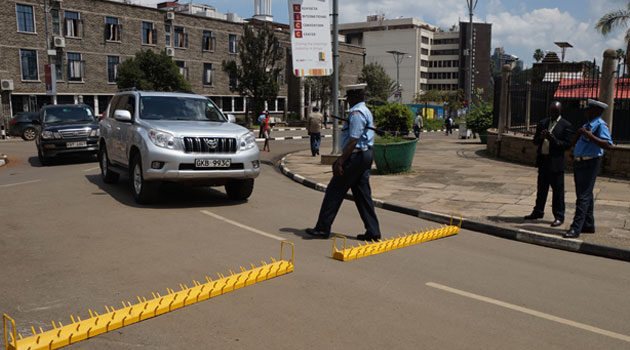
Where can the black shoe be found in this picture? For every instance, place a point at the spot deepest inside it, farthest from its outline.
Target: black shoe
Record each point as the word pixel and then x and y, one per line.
pixel 318 234
pixel 588 230
pixel 534 216
pixel 368 237
pixel 572 233
pixel 556 222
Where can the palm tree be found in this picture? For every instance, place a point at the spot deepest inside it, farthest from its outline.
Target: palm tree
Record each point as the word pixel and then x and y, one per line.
pixel 614 19
pixel 539 55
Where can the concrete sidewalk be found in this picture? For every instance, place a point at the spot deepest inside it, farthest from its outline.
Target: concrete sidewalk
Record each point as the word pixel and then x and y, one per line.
pixel 454 175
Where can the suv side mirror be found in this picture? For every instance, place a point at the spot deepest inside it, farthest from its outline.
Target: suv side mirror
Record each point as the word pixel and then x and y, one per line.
pixel 122 115
pixel 231 118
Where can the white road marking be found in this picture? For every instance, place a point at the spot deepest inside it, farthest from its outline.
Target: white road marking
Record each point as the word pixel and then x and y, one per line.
pixel 531 312
pixel 90 169
pixel 20 183
pixel 242 226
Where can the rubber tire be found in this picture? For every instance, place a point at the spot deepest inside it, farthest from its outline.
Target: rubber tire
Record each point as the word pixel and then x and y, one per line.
pixel 148 191
pixel 108 176
pixel 45 161
pixel 239 189
pixel 29 134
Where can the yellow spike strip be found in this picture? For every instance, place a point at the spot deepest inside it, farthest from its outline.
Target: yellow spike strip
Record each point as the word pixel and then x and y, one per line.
pixel 386 245
pixel 95 325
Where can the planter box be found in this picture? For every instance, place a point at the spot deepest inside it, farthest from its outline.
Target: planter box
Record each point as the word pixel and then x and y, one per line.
pixel 483 136
pixel 394 157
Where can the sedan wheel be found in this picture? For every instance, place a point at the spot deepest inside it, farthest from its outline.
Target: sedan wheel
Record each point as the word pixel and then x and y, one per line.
pixel 29 134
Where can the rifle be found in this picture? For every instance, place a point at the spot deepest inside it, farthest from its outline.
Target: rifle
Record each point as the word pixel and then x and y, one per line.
pixel 379 132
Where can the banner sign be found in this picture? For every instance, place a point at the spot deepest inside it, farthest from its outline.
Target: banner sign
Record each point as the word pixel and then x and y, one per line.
pixel 310 37
pixel 50 75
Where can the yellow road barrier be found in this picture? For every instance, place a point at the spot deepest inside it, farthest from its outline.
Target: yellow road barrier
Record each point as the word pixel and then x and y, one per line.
pixel 78 330
pixel 382 246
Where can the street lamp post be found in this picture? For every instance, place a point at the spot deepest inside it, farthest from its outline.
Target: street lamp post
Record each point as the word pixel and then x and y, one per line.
pixel 335 90
pixel 398 58
pixel 472 4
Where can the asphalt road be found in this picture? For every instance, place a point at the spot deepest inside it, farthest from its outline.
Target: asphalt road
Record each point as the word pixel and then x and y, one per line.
pixel 69 243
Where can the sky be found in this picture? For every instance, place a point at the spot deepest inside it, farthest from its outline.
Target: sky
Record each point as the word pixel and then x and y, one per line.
pixel 520 27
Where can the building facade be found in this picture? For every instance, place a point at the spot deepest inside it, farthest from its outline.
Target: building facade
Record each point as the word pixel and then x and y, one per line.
pixel 431 59
pixel 90 38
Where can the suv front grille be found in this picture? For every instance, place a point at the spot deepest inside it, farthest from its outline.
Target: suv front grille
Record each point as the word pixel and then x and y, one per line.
pixel 210 145
pixel 74 133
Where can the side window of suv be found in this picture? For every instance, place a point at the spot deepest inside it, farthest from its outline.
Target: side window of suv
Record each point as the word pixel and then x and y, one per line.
pixel 130 105
pixel 113 106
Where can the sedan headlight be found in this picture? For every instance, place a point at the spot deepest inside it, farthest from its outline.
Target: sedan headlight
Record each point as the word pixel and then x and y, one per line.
pixel 163 139
pixel 47 135
pixel 95 133
pixel 247 141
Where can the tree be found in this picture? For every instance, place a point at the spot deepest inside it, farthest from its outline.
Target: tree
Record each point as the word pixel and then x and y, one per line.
pixel 454 101
pixel 379 85
pixel 260 57
pixel 614 19
pixel 151 71
pixel 539 55
pixel 436 96
pixel 320 88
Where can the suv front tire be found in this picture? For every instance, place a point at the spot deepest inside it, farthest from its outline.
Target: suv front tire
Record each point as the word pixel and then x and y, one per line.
pixel 109 176
pixel 144 192
pixel 239 189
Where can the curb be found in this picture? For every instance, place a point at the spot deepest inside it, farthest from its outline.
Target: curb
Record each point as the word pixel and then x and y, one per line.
pixel 290 138
pixel 3 159
pixel 526 236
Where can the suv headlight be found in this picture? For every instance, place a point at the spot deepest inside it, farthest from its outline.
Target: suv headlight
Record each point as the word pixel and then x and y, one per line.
pixel 247 141
pixel 47 135
pixel 95 133
pixel 163 139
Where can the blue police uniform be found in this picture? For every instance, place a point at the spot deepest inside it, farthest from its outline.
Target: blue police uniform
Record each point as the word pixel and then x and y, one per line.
pixel 356 175
pixel 585 167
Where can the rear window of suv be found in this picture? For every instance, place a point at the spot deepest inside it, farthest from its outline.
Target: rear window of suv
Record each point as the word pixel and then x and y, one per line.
pixel 179 108
pixel 68 114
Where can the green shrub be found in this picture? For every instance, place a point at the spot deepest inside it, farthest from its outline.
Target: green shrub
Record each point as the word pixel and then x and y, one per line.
pixel 389 139
pixel 480 118
pixel 395 118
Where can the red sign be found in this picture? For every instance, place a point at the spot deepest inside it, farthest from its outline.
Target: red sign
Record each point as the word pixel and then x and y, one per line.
pixel 51 79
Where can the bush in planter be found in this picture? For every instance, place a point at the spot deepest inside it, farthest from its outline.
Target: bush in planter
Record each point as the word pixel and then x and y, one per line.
pixel 392 153
pixel 395 118
pixel 480 118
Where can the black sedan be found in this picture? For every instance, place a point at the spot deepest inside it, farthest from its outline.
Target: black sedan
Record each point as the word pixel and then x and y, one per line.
pixel 22 125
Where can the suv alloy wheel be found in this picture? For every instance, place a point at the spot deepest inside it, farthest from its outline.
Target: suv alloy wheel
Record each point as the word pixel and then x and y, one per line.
pixel 144 192
pixel 108 176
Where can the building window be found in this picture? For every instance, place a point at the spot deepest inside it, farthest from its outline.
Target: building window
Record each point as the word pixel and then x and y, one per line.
pixel 281 104
pixel 226 104
pixel 208 74
pixel 149 34
pixel 28 59
pixel 76 67
pixel 25 19
pixel 59 65
pixel 424 52
pixel 209 41
pixel 167 35
pixel 181 37
pixel 424 63
pixel 54 14
pixel 183 70
pixel 425 40
pixel 113 30
pixel 72 24
pixel 233 40
pixel 239 104
pixel 112 68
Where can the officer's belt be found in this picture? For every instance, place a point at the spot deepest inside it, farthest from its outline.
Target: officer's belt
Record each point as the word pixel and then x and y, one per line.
pixel 580 159
pixel 361 149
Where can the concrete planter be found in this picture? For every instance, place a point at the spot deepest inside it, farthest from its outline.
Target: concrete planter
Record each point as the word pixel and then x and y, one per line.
pixel 394 157
pixel 483 136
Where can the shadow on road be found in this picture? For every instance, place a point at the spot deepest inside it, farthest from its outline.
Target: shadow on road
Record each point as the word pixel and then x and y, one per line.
pixel 171 196
pixel 305 236
pixel 507 219
pixel 34 161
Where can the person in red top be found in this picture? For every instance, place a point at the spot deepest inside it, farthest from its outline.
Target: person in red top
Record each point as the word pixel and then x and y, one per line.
pixel 266 131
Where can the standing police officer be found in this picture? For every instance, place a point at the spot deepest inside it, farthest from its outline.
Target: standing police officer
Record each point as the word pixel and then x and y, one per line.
pixel 352 170
pixel 590 142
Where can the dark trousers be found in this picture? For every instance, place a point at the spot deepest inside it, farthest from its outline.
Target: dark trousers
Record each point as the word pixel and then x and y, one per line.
pixel 547 178
pixel 416 131
pixel 584 174
pixel 316 138
pixel 260 130
pixel 356 177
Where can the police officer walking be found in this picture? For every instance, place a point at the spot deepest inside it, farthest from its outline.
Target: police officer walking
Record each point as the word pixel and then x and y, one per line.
pixel 352 170
pixel 590 142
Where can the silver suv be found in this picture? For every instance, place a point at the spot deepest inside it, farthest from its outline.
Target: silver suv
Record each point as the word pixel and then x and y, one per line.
pixel 156 137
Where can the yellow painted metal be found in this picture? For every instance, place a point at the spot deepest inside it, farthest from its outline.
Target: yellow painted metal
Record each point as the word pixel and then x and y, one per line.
pixel 382 246
pixel 112 319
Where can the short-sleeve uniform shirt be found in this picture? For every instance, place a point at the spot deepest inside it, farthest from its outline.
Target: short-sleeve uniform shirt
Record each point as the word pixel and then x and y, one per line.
pixel 360 118
pixel 585 147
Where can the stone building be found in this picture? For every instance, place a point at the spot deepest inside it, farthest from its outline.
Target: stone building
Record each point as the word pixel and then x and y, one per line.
pixel 89 38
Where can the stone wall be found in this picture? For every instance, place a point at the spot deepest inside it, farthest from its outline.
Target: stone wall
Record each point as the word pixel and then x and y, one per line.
pixel 520 149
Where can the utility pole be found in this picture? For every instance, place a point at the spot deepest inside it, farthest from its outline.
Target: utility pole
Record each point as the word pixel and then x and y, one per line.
pixel 335 92
pixel 472 4
pixel 398 58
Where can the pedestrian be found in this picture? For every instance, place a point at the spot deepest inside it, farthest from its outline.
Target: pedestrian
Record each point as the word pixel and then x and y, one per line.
pixel 352 170
pixel 266 127
pixel 553 137
pixel 314 125
pixel 590 142
pixel 261 118
pixel 326 120
pixel 418 124
pixel 448 124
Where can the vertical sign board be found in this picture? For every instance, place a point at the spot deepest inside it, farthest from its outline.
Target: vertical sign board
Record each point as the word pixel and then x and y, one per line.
pixel 51 79
pixel 310 37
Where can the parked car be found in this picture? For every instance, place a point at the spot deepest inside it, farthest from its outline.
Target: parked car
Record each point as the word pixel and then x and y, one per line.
pixel 160 137
pixel 22 125
pixel 66 130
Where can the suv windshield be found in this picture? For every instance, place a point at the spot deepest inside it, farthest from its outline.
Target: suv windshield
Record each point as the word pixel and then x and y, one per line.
pixel 179 108
pixel 68 114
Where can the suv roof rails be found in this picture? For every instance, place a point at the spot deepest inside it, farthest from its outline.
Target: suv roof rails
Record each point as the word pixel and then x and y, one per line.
pixel 127 89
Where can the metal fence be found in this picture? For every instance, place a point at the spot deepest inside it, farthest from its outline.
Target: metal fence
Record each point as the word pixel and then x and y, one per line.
pixel 531 92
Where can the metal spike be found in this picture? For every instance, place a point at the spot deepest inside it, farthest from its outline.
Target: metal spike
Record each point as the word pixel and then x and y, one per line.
pixel 33 329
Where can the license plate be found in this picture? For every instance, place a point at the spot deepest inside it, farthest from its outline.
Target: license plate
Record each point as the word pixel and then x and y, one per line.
pixel 213 163
pixel 76 144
